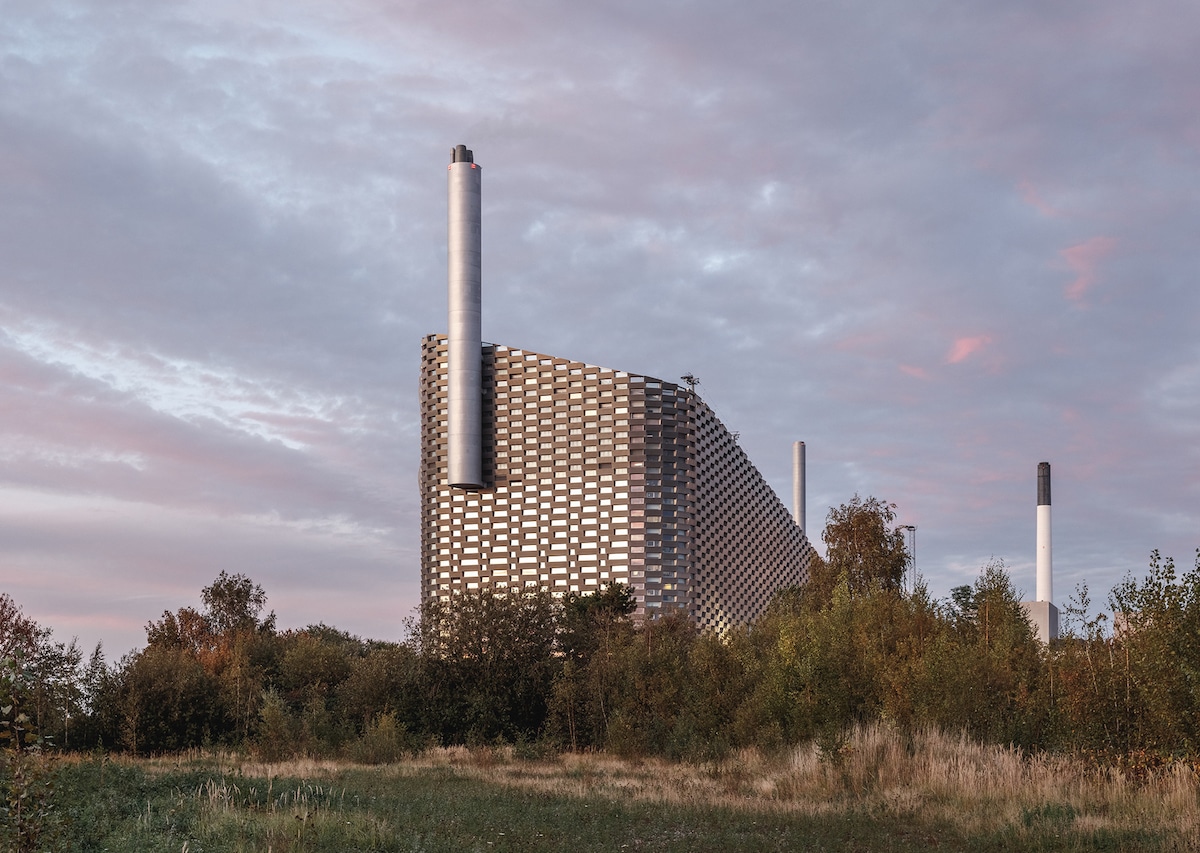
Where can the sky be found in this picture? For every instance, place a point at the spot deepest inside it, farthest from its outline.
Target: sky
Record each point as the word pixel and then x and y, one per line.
pixel 939 242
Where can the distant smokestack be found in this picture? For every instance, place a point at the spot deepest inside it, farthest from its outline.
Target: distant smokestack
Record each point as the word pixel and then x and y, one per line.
pixel 1045 583
pixel 464 256
pixel 798 485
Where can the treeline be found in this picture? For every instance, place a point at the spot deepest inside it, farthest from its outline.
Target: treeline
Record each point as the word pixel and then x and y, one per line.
pixel 852 646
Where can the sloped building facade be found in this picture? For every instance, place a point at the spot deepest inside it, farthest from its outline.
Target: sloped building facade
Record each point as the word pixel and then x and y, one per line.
pixel 593 475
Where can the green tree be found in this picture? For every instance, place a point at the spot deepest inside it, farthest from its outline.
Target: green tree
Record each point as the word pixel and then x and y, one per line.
pixel 49 670
pixel 833 659
pixel 644 676
pixel 586 617
pixel 378 683
pixel 168 702
pixel 984 672
pixel 962 604
pixel 311 667
pixel 100 692
pixel 592 627
pixel 1086 682
pixel 20 636
pixel 229 643
pixel 715 686
pixel 486 665
pixel 21 640
pixel 232 603
pixel 863 543
pixel 26 781
pixel 56 696
pixel 1157 650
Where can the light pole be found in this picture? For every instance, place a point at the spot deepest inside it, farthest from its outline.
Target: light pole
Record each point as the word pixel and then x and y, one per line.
pixel 912 550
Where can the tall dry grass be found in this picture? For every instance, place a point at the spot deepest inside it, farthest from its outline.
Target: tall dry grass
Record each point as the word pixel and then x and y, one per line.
pixel 928 777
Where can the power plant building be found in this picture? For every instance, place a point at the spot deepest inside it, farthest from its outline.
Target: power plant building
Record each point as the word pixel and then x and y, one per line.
pixel 545 472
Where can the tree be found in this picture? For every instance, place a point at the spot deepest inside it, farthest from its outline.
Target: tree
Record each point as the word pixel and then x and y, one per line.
pixel 20 640
pixel 1157 648
pixel 984 673
pixel 377 683
pixel 228 642
pixel 167 701
pixel 49 672
pixel 590 628
pixel 232 603
pixel 19 635
pixel 100 692
pixel 312 664
pixel 585 617
pixel 56 696
pixel 962 603
pixel 486 664
pixel 864 544
pixel 645 679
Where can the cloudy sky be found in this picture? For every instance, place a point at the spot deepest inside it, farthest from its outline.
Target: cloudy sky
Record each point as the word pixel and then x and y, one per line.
pixel 939 242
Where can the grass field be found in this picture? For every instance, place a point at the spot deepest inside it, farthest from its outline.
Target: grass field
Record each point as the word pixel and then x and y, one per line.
pixel 878 791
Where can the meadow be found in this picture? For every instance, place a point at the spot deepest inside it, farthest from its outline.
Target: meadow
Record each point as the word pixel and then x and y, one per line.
pixel 875 789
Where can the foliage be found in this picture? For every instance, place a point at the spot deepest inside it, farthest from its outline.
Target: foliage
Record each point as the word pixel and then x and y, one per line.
pixel 26 786
pixel 47 671
pixel 27 801
pixel 168 701
pixel 19 635
pixel 378 682
pixel 595 626
pixel 524 668
pixel 385 740
pixel 864 545
pixel 586 617
pixel 232 604
pixel 1138 688
pixel 982 674
pixel 486 665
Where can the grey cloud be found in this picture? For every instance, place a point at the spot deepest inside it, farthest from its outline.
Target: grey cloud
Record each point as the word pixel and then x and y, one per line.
pixel 808 205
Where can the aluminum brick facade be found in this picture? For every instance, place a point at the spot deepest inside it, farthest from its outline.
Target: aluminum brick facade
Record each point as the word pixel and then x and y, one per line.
pixel 596 475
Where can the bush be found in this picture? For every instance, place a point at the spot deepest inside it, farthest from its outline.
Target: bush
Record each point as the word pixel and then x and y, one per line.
pixel 384 741
pixel 280 735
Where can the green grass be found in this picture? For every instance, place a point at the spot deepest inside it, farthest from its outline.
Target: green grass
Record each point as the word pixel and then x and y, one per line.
pixel 204 806
pixel 433 810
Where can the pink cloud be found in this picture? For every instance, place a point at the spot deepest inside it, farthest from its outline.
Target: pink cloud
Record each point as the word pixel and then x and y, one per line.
pixel 1083 259
pixel 964 348
pixel 1031 196
pixel 914 372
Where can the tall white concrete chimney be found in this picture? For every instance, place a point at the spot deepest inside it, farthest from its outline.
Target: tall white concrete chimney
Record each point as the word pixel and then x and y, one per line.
pixel 464 256
pixel 1045 567
pixel 798 485
pixel 1042 613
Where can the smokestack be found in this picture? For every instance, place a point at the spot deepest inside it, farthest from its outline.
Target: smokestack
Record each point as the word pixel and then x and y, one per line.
pixel 798 484
pixel 1045 584
pixel 464 256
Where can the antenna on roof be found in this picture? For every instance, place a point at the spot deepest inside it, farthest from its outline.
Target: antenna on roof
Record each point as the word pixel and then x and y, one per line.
pixel 692 381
